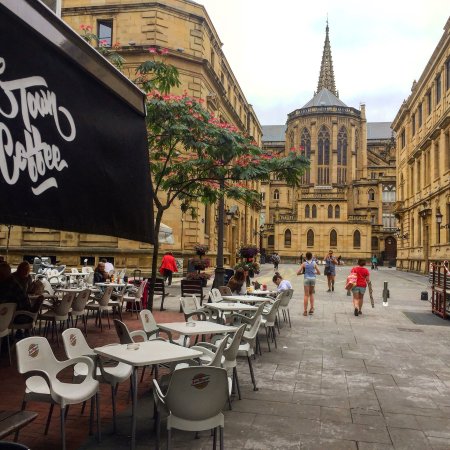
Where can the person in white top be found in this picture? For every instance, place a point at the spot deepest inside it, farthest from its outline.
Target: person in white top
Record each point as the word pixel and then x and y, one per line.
pixel 282 285
pixel 108 266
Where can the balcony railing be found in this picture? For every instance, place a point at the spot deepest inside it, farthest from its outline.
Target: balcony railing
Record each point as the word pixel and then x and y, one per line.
pixel 358 218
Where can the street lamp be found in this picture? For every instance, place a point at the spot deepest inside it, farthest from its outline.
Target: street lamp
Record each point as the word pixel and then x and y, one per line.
pixel 261 235
pixel 438 222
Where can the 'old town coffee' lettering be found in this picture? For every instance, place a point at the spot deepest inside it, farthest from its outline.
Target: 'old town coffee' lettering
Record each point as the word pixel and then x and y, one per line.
pixel 26 99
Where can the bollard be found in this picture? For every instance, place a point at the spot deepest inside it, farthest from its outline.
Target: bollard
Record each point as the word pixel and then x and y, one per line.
pixel 385 293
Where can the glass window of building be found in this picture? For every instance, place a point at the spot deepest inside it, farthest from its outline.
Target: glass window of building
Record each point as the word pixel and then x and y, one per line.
pixel 105 32
pixel 357 239
pixel 429 102
pixel 314 211
pixel 287 238
pixel 438 89
pixel 310 238
pixel 330 212
pixel 419 116
pixel 307 211
pixel 333 238
pixel 337 212
pixel 371 194
pixel 276 194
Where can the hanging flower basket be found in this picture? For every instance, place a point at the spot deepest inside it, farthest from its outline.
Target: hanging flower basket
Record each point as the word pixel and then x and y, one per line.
pixel 201 249
pixel 248 251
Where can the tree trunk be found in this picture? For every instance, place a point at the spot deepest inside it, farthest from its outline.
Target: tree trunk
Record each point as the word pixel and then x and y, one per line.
pixel 151 290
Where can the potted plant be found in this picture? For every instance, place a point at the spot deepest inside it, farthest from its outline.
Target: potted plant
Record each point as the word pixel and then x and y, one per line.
pixel 199 263
pixel 203 276
pixel 201 249
pixel 248 251
pixel 252 267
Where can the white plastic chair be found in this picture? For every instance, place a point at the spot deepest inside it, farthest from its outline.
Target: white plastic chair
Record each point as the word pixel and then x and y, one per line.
pixel 215 295
pixel 7 311
pixel 284 305
pixel 75 345
pixel 136 299
pixel 101 305
pixel 79 308
pixel 269 320
pixel 59 313
pixel 37 362
pixel 194 401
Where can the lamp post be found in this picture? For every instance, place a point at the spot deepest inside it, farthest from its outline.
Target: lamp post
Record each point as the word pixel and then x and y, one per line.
pixel 260 233
pixel 220 271
pixel 438 222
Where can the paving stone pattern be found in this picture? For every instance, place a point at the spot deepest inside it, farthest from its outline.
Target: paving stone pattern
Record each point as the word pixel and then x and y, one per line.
pixel 336 381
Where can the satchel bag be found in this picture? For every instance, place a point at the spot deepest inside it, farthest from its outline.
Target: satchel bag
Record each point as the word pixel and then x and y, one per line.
pixel 327 271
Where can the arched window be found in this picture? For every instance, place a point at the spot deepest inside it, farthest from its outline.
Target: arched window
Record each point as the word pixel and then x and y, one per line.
pixel 342 156
pixel 374 243
pixel 314 211
pixel 371 194
pixel 276 194
pixel 305 143
pixel 271 240
pixel 333 238
pixel 323 156
pixel 356 239
pixel 287 238
pixel 310 238
pixel 330 212
pixel 337 212
pixel 307 212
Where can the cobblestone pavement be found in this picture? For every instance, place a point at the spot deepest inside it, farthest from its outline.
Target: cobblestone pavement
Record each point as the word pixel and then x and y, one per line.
pixel 373 382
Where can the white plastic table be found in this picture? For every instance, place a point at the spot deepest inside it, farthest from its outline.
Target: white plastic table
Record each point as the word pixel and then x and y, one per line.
pixel 244 298
pixel 235 306
pixel 146 354
pixel 261 292
pixel 115 285
pixel 196 327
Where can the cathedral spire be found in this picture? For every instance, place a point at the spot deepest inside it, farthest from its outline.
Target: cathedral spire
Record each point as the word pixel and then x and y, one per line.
pixel 326 77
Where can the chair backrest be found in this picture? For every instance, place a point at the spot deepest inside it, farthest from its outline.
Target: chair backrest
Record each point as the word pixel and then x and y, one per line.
pixel 217 360
pixel 189 287
pixel 74 270
pixel 231 351
pixel 122 332
pixel 272 313
pixel 140 290
pixel 137 274
pixel 250 335
pixel 87 269
pixel 215 295
pixel 7 311
pixel 189 304
pixel 75 343
pixel 159 288
pixel 225 290
pixel 90 278
pixel 63 307
pixel 80 300
pixel 197 393
pixel 48 288
pixel 285 297
pixel 148 321
pixel 35 353
pixel 106 297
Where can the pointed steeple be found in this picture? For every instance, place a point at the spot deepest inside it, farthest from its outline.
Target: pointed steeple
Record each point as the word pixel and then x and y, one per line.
pixel 326 77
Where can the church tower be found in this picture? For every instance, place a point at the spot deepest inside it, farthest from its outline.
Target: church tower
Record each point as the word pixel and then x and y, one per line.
pixel 338 206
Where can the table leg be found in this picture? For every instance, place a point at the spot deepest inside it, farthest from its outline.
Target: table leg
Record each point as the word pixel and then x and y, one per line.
pixel 134 408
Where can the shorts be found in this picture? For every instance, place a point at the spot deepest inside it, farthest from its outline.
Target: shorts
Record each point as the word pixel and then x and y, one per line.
pixel 359 289
pixel 309 282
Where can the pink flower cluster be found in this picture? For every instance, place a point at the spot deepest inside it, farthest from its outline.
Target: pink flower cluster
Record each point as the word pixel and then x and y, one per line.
pixel 155 51
pixel 85 27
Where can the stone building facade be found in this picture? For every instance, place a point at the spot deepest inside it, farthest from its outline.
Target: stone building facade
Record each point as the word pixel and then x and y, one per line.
pixel 422 128
pixel 194 47
pixel 346 197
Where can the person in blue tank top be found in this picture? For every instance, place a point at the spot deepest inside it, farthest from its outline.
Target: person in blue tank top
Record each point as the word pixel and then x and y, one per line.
pixel 309 269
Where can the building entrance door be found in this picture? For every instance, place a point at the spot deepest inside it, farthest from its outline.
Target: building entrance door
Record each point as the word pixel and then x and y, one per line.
pixel 390 250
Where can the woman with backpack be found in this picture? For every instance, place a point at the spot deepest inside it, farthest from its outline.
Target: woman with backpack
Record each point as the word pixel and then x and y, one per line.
pixel 309 269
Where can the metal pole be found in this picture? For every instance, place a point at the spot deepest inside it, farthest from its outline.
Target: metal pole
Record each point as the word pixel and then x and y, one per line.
pixel 385 293
pixel 220 271
pixel 7 241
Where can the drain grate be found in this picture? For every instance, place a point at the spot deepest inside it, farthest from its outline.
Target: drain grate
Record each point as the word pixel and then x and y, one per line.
pixel 410 330
pixel 426 318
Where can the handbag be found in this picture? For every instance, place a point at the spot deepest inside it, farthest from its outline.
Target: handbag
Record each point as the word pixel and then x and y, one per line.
pixel 351 281
pixel 326 271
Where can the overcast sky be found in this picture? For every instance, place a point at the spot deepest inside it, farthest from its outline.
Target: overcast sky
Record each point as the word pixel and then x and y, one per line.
pixel 378 47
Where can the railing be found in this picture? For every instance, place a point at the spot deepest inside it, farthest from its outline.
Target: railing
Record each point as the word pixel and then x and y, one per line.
pixel 287 218
pixel 323 196
pixel 358 218
pixel 325 109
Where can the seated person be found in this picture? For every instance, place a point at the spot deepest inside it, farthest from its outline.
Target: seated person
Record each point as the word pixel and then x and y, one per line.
pixel 22 276
pixel 100 274
pixel 282 285
pixel 108 266
pixel 237 283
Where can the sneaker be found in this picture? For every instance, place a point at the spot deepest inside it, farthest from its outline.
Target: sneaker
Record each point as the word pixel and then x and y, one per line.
pixel 356 311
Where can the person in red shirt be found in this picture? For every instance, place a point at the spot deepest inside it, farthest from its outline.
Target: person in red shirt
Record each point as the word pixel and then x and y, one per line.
pixel 168 266
pixel 361 283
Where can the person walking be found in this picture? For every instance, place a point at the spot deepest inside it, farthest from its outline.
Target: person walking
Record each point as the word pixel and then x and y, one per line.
pixel 359 289
pixel 168 267
pixel 301 258
pixel 276 260
pixel 309 269
pixel 330 270
pixel 374 261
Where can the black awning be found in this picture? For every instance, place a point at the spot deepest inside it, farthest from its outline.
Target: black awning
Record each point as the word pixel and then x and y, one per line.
pixel 73 143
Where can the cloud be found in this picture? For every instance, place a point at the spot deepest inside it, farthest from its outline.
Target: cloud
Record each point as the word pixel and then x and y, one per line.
pixel 378 49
